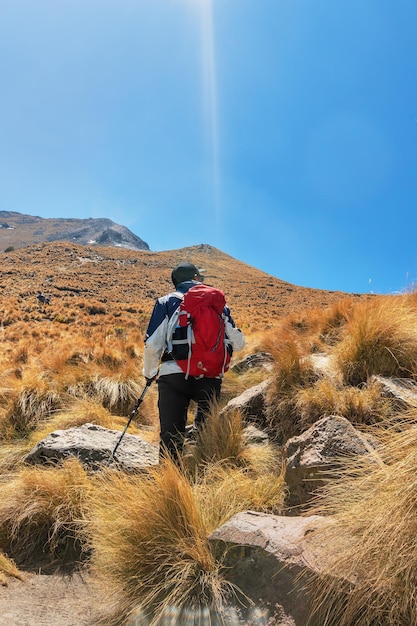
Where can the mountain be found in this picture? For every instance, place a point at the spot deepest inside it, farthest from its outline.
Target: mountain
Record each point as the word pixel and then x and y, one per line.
pixel 121 285
pixel 18 230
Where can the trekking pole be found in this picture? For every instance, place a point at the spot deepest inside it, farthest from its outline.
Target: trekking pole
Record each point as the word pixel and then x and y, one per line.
pixel 132 415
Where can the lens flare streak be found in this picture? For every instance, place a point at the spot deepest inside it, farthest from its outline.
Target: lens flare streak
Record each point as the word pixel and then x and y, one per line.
pixel 210 97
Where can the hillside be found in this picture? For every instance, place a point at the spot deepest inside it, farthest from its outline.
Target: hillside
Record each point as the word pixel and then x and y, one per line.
pixel 78 360
pixel 121 280
pixel 18 230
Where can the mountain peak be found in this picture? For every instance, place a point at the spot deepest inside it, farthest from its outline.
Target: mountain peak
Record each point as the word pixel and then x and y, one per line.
pixel 18 230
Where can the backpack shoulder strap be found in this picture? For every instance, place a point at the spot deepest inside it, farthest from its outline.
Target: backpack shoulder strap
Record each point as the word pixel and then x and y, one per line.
pixel 173 320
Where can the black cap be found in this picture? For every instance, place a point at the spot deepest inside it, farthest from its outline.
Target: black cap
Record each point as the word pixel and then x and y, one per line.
pixel 184 271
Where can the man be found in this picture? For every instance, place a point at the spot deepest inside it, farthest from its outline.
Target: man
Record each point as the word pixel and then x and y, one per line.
pixel 175 388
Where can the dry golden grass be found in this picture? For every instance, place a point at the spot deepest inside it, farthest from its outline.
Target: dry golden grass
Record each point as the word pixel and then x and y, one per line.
pixel 25 402
pixel 40 380
pixel 115 393
pixel 42 515
pixel 380 338
pixel 150 548
pixel 8 570
pixel 117 287
pixel 222 490
pixel 221 438
pixel 221 441
pixel 333 320
pixel 358 405
pixel 370 544
pixel 77 413
pixel 149 543
pixel 314 329
pixel 149 533
pixel 291 374
pixel 79 360
pixel 11 457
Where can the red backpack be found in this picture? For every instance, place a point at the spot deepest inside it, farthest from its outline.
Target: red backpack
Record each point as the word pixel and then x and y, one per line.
pixel 197 329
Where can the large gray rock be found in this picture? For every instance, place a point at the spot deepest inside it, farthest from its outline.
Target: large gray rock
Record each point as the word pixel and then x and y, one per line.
pixel 255 436
pixel 262 360
pixel 93 446
pixel 315 454
pixel 251 403
pixel 265 555
pixel 403 391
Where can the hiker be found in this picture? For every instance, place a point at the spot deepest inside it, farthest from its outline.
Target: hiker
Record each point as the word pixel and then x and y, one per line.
pixel 182 373
pixel 43 299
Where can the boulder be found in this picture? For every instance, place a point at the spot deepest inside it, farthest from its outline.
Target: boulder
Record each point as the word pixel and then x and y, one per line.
pixel 251 403
pixel 255 436
pixel 313 455
pixel 93 446
pixel 257 360
pixel 402 390
pixel 265 556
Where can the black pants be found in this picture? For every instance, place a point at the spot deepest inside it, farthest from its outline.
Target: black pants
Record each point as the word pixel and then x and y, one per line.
pixel 174 395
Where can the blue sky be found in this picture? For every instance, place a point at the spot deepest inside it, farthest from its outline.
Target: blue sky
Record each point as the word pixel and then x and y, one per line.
pixel 283 132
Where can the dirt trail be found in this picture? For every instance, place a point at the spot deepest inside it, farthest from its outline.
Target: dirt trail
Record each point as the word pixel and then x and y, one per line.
pixel 68 601
pixel 53 600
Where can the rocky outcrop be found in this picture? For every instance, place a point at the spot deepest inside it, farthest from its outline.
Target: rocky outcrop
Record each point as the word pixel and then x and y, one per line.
pixel 265 556
pixel 22 230
pixel 251 403
pixel 403 391
pixel 262 360
pixel 314 454
pixel 93 446
pixel 255 436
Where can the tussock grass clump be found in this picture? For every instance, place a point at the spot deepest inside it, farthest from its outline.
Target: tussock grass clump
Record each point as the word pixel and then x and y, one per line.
pixel 149 532
pixel 77 413
pixel 10 312
pixel 116 390
pixel 150 548
pixel 25 403
pixel 221 442
pixel 371 553
pixel 229 474
pixel 380 338
pixel 358 405
pixel 58 361
pixel 317 329
pixel 292 373
pixel 42 511
pixel 222 491
pixel 11 455
pixel 221 438
pixel 8 569
pixel 115 393
pixel 333 319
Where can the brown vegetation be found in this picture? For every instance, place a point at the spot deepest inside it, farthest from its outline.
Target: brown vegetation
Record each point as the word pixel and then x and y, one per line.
pixel 41 514
pixel 114 288
pixel 79 360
